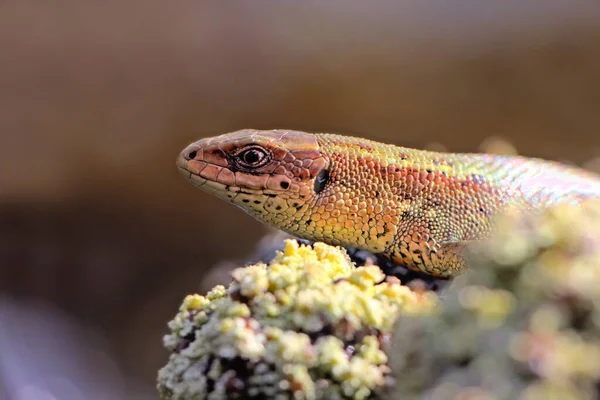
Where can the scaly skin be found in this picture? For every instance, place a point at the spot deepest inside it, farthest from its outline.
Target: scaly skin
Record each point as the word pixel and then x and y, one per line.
pixel 419 208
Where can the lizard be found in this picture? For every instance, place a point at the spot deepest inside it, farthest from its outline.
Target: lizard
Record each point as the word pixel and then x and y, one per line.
pixel 419 208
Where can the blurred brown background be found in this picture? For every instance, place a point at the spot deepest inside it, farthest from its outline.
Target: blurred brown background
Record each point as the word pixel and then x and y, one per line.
pixel 101 237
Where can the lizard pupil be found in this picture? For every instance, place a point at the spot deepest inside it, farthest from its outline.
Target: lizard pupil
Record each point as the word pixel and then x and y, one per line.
pixel 251 156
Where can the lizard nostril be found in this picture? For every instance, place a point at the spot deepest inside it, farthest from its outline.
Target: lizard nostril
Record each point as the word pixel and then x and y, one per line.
pixel 192 154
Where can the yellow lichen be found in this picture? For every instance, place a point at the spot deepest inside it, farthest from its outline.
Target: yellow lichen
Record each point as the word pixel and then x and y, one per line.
pixel 308 326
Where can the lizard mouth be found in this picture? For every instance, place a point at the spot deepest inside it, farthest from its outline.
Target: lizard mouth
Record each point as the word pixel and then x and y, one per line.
pixel 196 180
pixel 195 177
pixel 194 173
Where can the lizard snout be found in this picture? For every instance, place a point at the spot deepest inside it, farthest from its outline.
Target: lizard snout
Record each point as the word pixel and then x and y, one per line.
pixel 191 152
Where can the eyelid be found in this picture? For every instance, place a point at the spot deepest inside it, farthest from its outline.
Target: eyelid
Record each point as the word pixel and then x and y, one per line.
pixel 239 151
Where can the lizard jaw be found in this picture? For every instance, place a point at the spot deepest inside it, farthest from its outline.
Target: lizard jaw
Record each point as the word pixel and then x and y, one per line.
pixel 193 173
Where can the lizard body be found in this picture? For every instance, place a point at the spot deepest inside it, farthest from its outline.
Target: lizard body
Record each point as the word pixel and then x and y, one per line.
pixel 419 208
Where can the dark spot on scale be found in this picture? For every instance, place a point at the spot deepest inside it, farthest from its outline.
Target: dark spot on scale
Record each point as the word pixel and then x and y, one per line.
pixel 245 201
pixel 406 214
pixel 385 232
pixel 256 201
pixel 429 171
pixel 270 195
pixel 309 221
pixel 384 170
pixel 417 251
pixel 284 184
pixel 436 161
pixel 297 206
pixel 436 203
pixel 278 208
pixel 481 209
pixel 377 193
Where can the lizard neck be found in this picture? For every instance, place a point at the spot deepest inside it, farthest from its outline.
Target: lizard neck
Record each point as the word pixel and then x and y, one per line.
pixel 376 193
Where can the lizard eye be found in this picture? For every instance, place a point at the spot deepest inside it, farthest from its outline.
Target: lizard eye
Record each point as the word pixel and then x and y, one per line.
pixel 253 157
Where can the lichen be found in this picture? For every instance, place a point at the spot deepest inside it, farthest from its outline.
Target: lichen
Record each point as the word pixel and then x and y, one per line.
pixel 523 322
pixel 310 325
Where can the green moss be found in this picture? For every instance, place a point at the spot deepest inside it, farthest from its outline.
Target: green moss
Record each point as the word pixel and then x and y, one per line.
pixel 310 325
pixel 523 322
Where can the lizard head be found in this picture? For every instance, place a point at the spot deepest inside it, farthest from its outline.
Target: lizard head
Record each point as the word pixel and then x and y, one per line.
pixel 269 174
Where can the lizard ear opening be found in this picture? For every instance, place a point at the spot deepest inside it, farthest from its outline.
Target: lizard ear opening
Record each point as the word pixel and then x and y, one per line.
pixel 321 180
